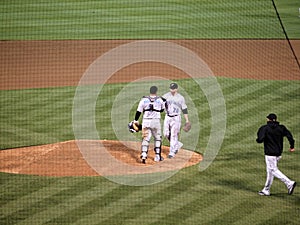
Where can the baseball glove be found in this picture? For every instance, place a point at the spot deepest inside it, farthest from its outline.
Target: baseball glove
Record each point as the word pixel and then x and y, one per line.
pixel 134 126
pixel 187 127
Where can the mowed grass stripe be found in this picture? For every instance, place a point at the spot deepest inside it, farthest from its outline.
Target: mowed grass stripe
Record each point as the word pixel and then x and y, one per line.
pixel 157 206
pixel 156 20
pixel 257 214
pixel 235 111
pixel 248 89
pixel 70 202
pixel 137 202
pixel 33 198
pixel 35 116
pixel 235 93
pixel 238 212
pixel 290 121
pixel 126 204
pixel 236 130
pixel 256 99
pixel 215 210
pixel 239 112
pixel 55 199
pixel 159 213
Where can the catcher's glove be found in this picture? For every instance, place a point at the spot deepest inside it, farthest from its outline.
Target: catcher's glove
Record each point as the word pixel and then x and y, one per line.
pixel 187 127
pixel 134 126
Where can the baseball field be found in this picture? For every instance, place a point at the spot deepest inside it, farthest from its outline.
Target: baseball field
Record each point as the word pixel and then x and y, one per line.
pixel 72 73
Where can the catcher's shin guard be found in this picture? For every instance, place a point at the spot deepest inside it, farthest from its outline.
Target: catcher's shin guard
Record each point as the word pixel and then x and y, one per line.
pixel 145 146
pixel 157 150
pixel 157 147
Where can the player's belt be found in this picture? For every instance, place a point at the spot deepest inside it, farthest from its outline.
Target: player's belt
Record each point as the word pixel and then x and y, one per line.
pixel 172 115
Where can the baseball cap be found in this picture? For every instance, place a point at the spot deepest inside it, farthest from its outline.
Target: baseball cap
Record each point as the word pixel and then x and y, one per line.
pixel 153 90
pixel 272 116
pixel 173 86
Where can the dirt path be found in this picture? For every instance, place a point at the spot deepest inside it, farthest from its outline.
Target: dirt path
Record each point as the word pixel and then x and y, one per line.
pixel 31 64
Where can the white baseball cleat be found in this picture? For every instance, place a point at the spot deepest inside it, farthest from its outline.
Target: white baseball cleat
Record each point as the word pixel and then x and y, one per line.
pixel 265 193
pixel 172 154
pixel 179 147
pixel 291 188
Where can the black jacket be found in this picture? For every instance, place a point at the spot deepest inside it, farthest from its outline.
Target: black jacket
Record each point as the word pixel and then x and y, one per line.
pixel 272 135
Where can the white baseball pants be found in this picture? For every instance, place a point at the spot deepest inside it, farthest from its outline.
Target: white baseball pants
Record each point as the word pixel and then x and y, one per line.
pixel 171 131
pixel 273 171
pixel 151 127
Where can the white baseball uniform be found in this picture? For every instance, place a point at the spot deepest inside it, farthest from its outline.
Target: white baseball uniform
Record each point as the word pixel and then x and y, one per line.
pixel 172 122
pixel 151 106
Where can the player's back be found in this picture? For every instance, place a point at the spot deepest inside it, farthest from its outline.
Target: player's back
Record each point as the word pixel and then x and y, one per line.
pixel 151 106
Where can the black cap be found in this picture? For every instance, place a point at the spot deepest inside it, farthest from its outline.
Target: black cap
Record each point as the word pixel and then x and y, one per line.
pixel 153 90
pixel 173 86
pixel 272 116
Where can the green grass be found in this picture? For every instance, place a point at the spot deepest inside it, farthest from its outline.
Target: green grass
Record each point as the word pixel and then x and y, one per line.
pixel 225 193
pixel 290 16
pixel 153 19
pixel 39 116
pixel 35 116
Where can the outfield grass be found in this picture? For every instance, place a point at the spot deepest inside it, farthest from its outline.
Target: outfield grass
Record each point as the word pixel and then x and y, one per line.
pixel 153 19
pixel 189 197
pixel 225 193
pixel 290 16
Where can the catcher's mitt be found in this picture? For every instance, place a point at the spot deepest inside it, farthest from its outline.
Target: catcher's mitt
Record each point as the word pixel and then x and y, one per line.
pixel 134 126
pixel 187 127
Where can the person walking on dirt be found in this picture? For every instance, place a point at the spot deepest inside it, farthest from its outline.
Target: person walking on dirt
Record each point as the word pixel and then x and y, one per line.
pixel 151 106
pixel 175 104
pixel 272 135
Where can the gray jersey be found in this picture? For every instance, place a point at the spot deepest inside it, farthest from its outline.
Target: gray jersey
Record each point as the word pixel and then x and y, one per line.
pixel 175 103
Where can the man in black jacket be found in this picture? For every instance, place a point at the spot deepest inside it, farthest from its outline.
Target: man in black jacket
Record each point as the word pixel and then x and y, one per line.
pixel 272 135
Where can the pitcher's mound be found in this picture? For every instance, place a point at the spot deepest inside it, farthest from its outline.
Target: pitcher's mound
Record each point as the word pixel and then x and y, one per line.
pixel 66 159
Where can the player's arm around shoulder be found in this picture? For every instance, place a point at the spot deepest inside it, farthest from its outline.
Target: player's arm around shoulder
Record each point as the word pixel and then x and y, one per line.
pixel 162 103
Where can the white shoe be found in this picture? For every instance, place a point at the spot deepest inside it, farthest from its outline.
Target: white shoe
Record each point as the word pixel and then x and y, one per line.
pixel 291 188
pixel 179 147
pixel 265 193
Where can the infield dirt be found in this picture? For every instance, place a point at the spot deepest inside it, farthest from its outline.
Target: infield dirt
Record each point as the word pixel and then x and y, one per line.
pixel 35 64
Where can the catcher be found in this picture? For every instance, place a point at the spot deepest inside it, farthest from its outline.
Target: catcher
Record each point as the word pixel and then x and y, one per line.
pixel 151 106
pixel 175 103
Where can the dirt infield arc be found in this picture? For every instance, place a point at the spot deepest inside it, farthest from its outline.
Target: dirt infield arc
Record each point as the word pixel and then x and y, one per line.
pixel 65 159
pixel 39 64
